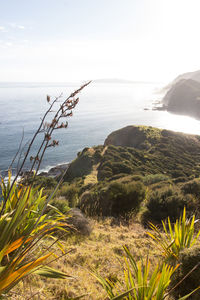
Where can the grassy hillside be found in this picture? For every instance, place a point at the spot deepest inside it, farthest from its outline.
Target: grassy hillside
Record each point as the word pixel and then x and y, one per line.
pixel 140 174
pixel 140 150
pixel 101 251
pixel 137 169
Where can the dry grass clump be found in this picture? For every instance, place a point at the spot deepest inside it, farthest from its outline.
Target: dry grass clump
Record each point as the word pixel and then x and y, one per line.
pixel 101 251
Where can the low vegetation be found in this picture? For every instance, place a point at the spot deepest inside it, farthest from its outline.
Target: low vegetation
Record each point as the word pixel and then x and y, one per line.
pixel 121 188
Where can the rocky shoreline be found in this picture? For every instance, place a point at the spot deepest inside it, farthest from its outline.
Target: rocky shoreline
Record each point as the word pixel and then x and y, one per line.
pixel 55 171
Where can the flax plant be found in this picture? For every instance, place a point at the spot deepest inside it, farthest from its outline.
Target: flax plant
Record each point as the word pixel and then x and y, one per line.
pixel 141 280
pixel 23 231
pixel 24 225
pixel 176 237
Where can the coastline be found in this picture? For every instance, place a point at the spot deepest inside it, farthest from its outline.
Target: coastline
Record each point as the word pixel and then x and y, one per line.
pixel 54 171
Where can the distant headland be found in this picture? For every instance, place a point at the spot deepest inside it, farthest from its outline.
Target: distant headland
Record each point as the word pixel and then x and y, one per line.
pixel 183 95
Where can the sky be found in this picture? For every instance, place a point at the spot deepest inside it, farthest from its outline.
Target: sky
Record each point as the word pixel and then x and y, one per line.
pixel 72 40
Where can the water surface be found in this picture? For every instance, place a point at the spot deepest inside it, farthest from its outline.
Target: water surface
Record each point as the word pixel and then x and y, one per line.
pixel 103 107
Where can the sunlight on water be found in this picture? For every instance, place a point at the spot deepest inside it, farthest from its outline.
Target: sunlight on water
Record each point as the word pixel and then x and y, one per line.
pixel 177 123
pixel 102 109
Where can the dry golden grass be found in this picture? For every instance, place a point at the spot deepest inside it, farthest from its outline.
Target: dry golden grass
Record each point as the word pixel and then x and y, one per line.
pixel 101 251
pixel 92 177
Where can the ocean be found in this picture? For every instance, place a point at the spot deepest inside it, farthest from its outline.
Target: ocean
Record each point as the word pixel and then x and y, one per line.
pixel 103 108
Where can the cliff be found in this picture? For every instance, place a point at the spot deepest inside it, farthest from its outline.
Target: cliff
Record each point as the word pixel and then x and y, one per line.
pixel 188 75
pixel 183 98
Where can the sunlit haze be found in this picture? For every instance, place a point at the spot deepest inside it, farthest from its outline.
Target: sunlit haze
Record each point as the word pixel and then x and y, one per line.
pixel 70 40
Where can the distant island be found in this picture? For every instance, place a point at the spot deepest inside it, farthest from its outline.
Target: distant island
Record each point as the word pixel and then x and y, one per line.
pixel 183 95
pixel 112 80
pixel 117 80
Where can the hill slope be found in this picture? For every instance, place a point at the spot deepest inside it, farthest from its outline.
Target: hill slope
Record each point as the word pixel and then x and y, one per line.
pixel 188 75
pixel 140 150
pixel 114 179
pixel 183 98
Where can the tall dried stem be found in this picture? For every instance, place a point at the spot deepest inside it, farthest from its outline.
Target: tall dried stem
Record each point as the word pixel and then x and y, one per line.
pixel 64 111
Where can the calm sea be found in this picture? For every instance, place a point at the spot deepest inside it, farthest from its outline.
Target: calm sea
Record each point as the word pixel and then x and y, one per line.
pixel 103 107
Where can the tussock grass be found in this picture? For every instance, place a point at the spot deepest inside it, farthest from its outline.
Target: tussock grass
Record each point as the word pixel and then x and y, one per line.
pixel 102 251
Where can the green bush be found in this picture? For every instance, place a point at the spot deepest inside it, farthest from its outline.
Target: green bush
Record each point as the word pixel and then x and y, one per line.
pixel 121 167
pixel 192 187
pixel 80 166
pixel 70 192
pixel 125 197
pixel 189 258
pixel 61 204
pixel 42 181
pixel 115 199
pixel 97 155
pixel 124 178
pixel 154 178
pixel 106 173
pixel 89 203
pixel 168 202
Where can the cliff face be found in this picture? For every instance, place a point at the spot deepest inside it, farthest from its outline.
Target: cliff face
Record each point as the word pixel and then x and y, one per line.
pixel 184 98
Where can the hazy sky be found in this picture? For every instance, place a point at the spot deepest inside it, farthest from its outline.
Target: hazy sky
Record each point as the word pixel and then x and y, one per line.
pixel 70 40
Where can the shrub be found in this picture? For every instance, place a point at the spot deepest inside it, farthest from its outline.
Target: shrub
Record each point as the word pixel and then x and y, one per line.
pixel 104 174
pixel 61 204
pixel 42 181
pixel 70 192
pixel 151 179
pixel 189 259
pixel 180 179
pixel 124 178
pixel 79 222
pixel 192 187
pixel 80 166
pixel 168 202
pixel 115 199
pixel 125 197
pixel 89 203
pixel 97 155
